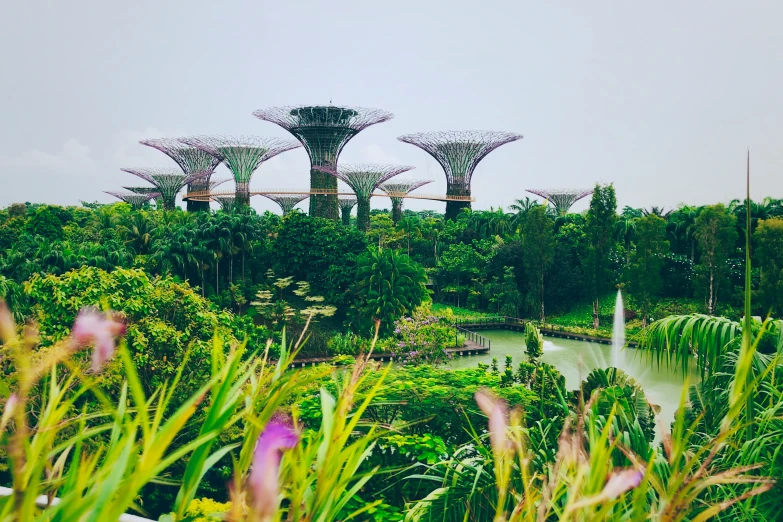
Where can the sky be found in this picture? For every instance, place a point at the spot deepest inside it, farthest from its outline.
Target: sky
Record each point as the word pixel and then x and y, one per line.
pixel 663 99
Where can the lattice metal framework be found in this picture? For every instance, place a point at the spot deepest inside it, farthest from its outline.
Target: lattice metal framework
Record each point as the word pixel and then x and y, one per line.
pixel 287 202
pixel 346 205
pixel 323 131
pixel 561 199
pixel 191 160
pixel 148 190
pixel 227 203
pixel 459 152
pixel 242 155
pixel 135 199
pixel 166 181
pixel 363 180
pixel 397 190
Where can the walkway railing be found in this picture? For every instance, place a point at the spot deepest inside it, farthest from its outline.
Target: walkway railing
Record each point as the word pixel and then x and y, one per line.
pixel 515 323
pixel 470 335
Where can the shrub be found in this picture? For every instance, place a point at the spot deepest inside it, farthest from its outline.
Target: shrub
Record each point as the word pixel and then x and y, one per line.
pixel 422 339
pixel 347 344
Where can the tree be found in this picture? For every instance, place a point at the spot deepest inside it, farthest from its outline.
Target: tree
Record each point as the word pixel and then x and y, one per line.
pixel 388 285
pixel 716 235
pixel 769 251
pixel 47 221
pixel 643 273
pixel 601 219
pixel 458 264
pixel 626 226
pixel 538 242
pixel 319 251
pixel 411 227
pixel 165 319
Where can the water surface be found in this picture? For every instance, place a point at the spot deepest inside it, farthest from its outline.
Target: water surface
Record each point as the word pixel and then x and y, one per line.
pixel 575 359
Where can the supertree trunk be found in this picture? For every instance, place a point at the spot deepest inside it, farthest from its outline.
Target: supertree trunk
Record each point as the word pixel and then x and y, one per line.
pixel 323 205
pixel 346 216
pixel 242 194
pixel 198 206
pixel 453 208
pixel 396 210
pixel 363 214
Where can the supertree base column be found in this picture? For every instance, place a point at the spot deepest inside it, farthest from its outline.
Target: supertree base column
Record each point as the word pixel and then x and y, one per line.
pixel 396 210
pixel 346 212
pixel 242 194
pixel 323 205
pixel 194 205
pixel 453 208
pixel 363 215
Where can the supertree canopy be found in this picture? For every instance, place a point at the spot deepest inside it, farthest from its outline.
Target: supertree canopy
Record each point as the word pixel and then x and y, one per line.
pixel 148 190
pixel 166 181
pixel 135 199
pixel 226 203
pixel 397 190
pixel 192 161
pixel 561 199
pixel 458 152
pixel 364 179
pixel 346 204
pixel 324 131
pixel 242 155
pixel 287 202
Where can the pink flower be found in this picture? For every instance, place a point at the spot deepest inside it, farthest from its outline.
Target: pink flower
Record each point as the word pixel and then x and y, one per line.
pixel 497 412
pixel 98 329
pixel 7 326
pixel 620 482
pixel 8 410
pixel 262 483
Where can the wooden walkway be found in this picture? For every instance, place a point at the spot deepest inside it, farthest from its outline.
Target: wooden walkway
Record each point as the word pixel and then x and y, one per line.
pixel 470 348
pixel 509 323
pixel 204 195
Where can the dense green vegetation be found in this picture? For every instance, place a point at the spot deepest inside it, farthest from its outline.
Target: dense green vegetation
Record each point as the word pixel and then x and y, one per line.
pixel 213 307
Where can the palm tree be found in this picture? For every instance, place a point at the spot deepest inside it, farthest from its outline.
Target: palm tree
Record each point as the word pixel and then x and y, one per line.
pixel 625 227
pixel 388 285
pixel 411 227
pixel 682 225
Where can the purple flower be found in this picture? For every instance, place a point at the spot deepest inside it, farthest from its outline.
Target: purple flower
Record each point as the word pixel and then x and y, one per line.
pixel 401 345
pixel 262 483
pixel 396 330
pixel 620 482
pixel 98 329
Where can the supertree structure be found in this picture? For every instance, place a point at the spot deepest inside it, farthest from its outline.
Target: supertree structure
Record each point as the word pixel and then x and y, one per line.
pixel 135 199
pixel 191 160
pixel 226 203
pixel 364 179
pixel 561 199
pixel 242 155
pixel 346 205
pixel 323 130
pixel 166 181
pixel 287 202
pixel 397 190
pixel 458 152
pixel 148 190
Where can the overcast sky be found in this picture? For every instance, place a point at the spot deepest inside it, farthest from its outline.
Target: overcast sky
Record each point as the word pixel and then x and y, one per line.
pixel 660 98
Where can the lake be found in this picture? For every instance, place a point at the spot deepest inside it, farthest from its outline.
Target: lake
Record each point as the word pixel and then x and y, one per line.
pixel 575 359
